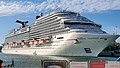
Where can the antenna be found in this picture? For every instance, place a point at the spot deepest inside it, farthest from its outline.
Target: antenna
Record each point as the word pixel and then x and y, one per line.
pixel 57 8
pixel 115 30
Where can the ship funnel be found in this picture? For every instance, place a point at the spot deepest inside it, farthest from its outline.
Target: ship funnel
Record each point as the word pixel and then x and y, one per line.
pixel 23 24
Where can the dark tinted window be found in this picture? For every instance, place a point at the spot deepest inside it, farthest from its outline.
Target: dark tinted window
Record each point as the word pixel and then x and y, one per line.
pixel 60 38
pixel 80 23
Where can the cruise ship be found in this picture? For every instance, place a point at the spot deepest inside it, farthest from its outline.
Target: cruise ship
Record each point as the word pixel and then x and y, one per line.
pixel 58 34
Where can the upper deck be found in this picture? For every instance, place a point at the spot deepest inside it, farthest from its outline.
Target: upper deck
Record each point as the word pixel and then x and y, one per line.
pixel 18 31
pixel 52 24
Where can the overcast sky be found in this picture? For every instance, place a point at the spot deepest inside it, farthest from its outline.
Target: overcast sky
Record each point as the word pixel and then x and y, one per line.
pixel 104 12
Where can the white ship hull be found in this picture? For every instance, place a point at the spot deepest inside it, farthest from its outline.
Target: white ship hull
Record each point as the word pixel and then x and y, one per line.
pixel 85 45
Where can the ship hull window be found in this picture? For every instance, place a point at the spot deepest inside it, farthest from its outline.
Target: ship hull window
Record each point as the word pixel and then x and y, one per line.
pixel 59 37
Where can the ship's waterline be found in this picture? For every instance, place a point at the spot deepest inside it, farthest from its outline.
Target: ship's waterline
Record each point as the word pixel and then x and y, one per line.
pixel 60 33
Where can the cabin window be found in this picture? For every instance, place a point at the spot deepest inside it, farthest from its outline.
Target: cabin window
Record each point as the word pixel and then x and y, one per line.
pixel 105 39
pixel 88 50
pixel 22 40
pixel 59 37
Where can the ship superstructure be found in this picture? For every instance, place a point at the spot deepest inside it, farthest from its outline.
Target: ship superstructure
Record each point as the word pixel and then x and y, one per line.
pixel 59 33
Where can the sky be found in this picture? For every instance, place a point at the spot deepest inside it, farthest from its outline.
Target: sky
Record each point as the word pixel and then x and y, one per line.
pixel 104 12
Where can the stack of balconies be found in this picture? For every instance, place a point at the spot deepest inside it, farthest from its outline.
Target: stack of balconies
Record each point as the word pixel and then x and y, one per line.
pixel 46 27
